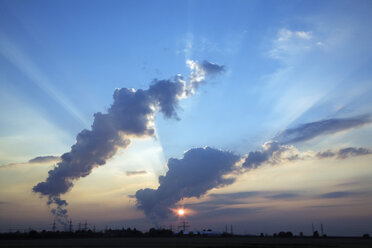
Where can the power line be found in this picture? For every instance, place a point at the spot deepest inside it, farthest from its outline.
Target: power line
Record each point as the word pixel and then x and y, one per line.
pixel 54 226
pixel 183 225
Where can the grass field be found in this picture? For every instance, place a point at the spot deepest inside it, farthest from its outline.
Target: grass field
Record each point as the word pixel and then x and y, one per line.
pixel 191 242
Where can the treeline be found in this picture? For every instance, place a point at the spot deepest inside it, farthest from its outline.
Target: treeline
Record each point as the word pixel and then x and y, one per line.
pixel 108 233
pixel 134 233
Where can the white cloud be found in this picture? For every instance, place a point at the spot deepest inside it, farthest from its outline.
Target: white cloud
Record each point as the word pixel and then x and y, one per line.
pixel 292 42
pixel 303 35
pixel 286 34
pixel 321 44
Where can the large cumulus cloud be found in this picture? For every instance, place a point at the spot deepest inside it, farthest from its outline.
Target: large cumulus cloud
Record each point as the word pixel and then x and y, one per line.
pixel 200 170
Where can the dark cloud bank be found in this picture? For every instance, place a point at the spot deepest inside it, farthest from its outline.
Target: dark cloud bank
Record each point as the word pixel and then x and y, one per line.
pixel 130 116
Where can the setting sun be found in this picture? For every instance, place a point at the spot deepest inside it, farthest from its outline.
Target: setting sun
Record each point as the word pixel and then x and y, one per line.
pixel 181 212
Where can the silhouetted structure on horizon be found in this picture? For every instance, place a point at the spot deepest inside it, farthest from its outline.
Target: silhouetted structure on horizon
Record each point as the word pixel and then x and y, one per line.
pixel 184 225
pixel 153 232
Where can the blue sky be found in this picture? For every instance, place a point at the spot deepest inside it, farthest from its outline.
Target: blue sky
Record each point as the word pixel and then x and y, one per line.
pixel 286 63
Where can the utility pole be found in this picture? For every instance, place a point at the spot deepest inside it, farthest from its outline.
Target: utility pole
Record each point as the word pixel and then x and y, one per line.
pixel 85 225
pixel 54 226
pixel 226 229
pixel 321 229
pixel 231 230
pixel 312 228
pixel 184 225
pixel 79 226
pixel 70 226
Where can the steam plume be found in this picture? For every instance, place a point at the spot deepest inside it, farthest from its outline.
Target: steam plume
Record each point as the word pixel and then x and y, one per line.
pixel 131 115
pixel 200 170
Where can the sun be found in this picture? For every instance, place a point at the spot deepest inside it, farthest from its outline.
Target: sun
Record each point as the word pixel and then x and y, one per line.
pixel 181 212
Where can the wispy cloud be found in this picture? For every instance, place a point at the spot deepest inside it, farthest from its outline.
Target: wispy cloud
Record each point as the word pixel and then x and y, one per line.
pixel 329 206
pixel 36 160
pixel 213 213
pixel 337 194
pixel 311 130
pixel 286 34
pixel 283 196
pixel 345 153
pixel 236 195
pixel 291 42
pixel 135 173
pixel 45 159
pixel 188 46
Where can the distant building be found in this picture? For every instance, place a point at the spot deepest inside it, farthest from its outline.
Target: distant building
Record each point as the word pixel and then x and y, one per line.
pixel 210 233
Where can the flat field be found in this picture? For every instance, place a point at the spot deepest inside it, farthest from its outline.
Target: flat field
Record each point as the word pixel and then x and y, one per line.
pixel 191 242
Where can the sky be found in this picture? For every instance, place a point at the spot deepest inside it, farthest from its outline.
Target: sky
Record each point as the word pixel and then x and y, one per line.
pixel 255 114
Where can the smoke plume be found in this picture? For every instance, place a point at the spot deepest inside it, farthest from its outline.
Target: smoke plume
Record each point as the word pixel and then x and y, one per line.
pixel 131 115
pixel 200 170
